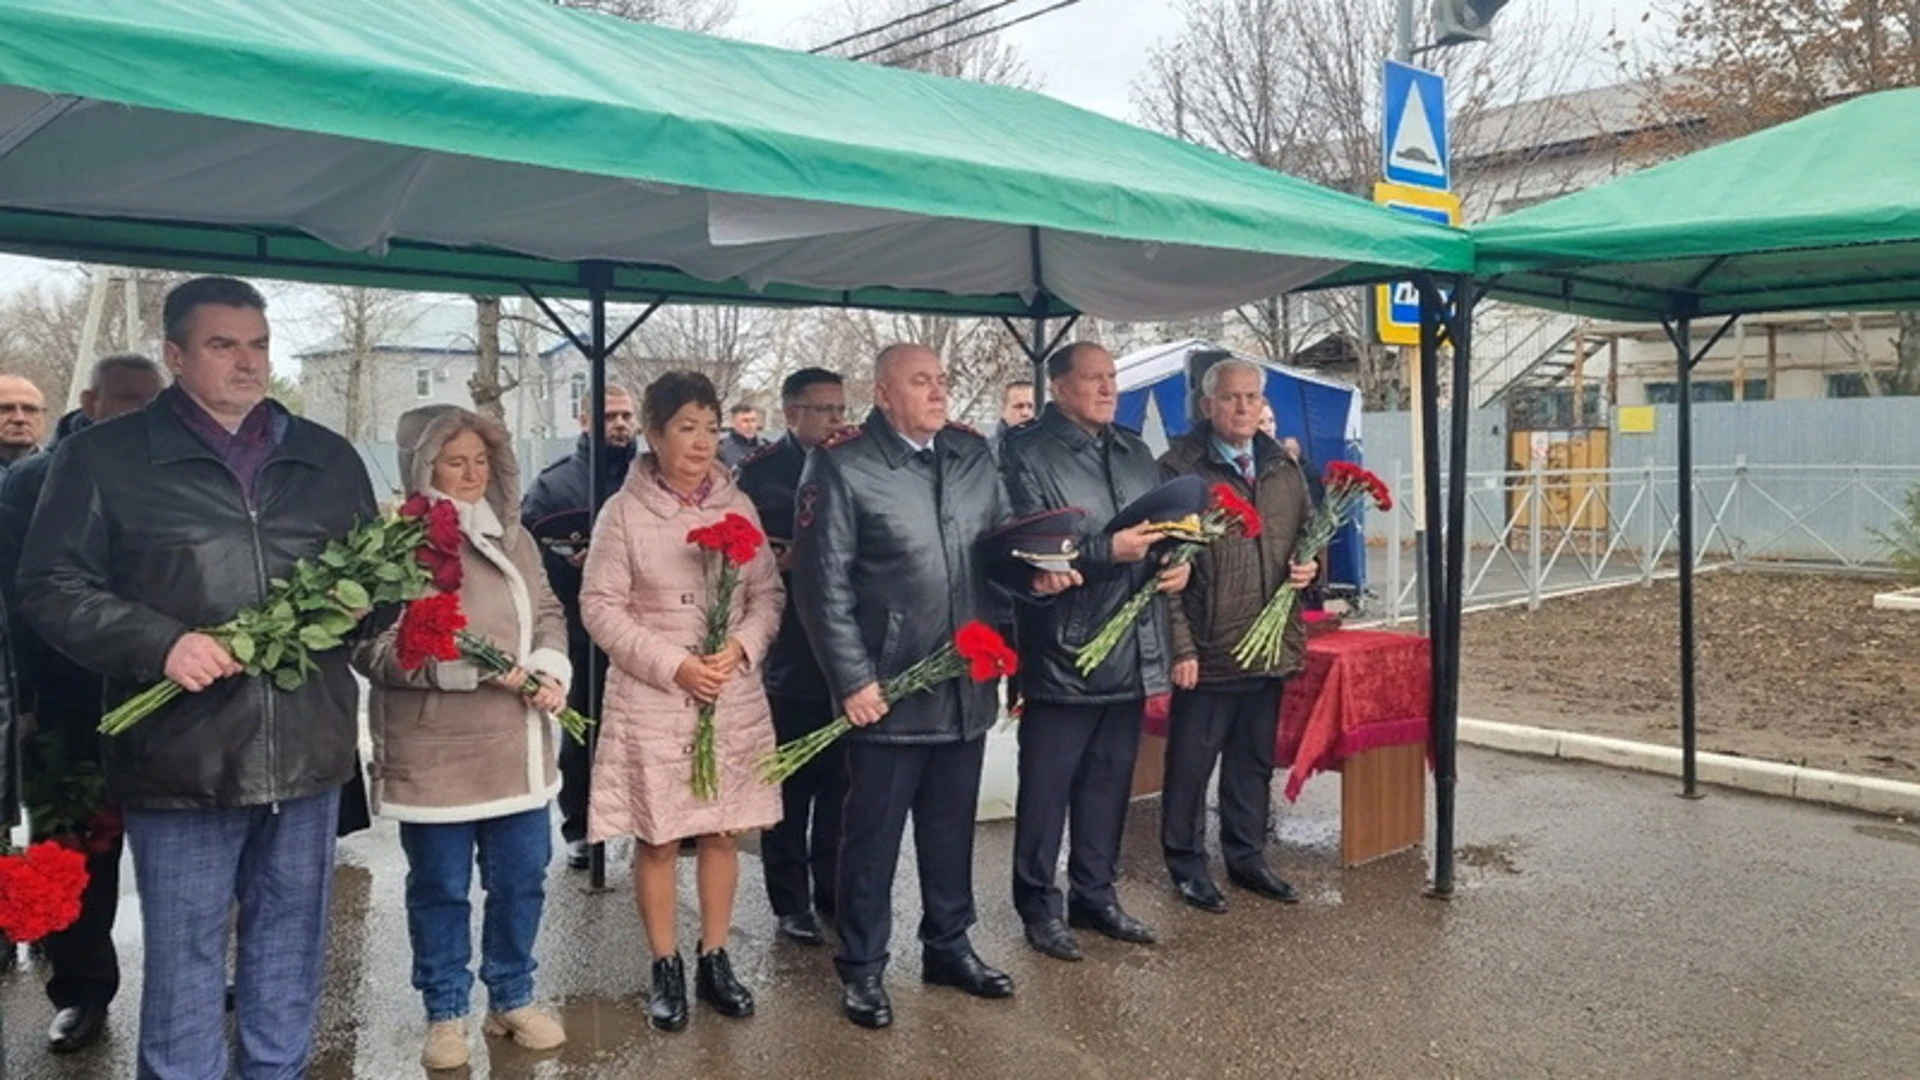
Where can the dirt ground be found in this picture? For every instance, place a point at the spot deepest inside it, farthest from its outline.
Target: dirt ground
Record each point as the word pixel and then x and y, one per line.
pixel 1793 668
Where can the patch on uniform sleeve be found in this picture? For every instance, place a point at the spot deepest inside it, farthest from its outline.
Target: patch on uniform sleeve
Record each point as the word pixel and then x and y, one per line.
pixel 843 436
pixel 803 506
pixel 958 426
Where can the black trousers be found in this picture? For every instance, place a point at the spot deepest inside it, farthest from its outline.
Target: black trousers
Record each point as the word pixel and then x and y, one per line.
pixel 576 760
pixel 1236 730
pixel 940 784
pixel 801 855
pixel 86 970
pixel 1076 762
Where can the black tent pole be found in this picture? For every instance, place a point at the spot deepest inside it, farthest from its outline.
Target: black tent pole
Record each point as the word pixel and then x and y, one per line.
pixel 597 280
pixel 1432 569
pixel 1446 710
pixel 1682 333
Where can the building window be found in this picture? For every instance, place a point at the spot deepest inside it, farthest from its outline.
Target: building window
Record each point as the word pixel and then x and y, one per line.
pixel 1705 392
pixel 423 382
pixel 577 394
pixel 1848 385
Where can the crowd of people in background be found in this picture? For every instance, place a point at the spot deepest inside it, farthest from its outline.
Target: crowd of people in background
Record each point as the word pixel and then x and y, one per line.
pixel 188 489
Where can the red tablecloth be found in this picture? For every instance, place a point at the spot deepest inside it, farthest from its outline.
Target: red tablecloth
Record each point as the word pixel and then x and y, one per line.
pixel 1360 690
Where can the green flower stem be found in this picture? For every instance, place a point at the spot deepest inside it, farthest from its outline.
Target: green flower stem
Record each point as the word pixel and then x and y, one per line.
pixel 1121 623
pixel 943 665
pixel 491 659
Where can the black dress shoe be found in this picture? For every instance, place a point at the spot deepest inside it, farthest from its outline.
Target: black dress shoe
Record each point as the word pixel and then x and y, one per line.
pixel 667 1004
pixel 1203 894
pixel 1265 882
pixel 1052 937
pixel 865 1002
pixel 76 1028
pixel 579 855
pixel 966 971
pixel 1112 921
pixel 714 983
pixel 802 929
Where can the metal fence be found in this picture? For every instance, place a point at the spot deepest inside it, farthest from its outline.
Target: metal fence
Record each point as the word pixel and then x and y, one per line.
pixel 1536 533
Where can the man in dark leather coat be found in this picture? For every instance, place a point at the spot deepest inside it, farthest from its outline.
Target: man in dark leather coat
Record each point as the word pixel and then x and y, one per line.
pixel 64 699
pixel 175 518
pixel 561 488
pixel 887 568
pixel 1079 734
pixel 801 854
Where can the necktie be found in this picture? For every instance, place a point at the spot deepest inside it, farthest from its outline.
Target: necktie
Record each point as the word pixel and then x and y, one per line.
pixel 1245 463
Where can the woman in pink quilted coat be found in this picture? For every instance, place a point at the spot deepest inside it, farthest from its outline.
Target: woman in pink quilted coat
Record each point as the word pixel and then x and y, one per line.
pixel 642 600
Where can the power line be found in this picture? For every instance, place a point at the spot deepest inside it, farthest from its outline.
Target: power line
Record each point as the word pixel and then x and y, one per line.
pixel 983 33
pixel 931 30
pixel 872 30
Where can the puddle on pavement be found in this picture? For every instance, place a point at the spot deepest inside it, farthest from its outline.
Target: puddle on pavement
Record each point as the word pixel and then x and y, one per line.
pixel 1890 832
pixel 1488 857
pixel 1316 834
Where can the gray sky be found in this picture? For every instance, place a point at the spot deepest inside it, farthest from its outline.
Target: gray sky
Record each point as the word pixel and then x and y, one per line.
pixel 1087 54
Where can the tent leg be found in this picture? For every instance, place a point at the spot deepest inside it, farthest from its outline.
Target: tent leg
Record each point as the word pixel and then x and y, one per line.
pixel 596 483
pixel 1446 711
pixel 1682 332
pixel 1037 356
pixel 1434 584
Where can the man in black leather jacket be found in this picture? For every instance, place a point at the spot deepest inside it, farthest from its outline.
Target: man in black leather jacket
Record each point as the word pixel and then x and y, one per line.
pixel 561 488
pixel 64 699
pixel 171 519
pixel 801 854
pixel 887 568
pixel 1079 734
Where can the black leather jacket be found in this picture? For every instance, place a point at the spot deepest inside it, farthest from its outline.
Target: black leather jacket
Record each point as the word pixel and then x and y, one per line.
pixel 143 533
pixel 1054 463
pixel 560 487
pixel 63 696
pixel 9 749
pixel 888 567
pixel 771 478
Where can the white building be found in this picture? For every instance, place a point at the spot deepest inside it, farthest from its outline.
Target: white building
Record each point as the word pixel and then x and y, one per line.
pixel 425 353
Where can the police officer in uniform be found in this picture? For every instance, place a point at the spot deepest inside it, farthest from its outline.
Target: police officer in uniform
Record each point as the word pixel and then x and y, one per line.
pixel 1079 734
pixel 887 569
pixel 800 854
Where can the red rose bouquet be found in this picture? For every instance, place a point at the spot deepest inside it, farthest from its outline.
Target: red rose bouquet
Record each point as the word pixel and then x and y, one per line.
pixel 40 890
pixel 385 561
pixel 434 628
pixel 1229 514
pixel 976 651
pixel 733 541
pixel 1348 488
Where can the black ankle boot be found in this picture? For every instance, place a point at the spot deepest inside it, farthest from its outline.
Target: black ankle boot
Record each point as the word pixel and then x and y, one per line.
pixel 667 1005
pixel 715 985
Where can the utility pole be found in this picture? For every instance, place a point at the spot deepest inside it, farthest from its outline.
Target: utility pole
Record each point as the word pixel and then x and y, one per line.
pixel 1403 39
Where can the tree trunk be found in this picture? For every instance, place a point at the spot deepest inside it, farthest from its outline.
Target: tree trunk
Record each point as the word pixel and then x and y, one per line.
pixel 487 386
pixel 1905 378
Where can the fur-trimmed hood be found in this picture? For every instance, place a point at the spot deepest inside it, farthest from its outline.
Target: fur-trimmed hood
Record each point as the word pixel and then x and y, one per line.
pixel 423 432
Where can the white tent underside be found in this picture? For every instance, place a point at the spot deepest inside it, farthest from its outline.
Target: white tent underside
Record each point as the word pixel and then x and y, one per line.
pixel 96 159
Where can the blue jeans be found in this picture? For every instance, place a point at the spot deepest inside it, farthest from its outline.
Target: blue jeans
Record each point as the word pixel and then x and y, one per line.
pixel 191 867
pixel 513 853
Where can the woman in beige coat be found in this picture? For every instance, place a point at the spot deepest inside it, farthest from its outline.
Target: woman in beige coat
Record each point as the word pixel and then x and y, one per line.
pixel 643 599
pixel 466 763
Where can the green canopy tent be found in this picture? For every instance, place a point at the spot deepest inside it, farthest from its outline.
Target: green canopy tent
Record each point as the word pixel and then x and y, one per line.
pixel 1822 213
pixel 497 146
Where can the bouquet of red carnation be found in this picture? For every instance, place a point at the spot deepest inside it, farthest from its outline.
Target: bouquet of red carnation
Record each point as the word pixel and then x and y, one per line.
pixel 434 628
pixel 735 540
pixel 384 561
pixel 1348 487
pixel 976 651
pixel 40 890
pixel 1229 514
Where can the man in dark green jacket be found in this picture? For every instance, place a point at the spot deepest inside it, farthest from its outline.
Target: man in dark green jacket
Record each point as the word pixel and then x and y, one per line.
pixel 1223 713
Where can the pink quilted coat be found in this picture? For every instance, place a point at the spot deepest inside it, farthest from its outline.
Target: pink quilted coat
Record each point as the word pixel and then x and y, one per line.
pixel 642 597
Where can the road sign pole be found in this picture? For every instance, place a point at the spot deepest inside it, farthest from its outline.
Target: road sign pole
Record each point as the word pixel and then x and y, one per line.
pixel 1403 40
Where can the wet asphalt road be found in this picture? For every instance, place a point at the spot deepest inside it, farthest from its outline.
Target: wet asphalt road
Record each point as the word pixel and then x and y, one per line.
pixel 1602 928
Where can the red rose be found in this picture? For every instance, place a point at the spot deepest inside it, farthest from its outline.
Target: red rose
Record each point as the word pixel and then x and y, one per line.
pixel 428 630
pixel 443 527
pixel 985 652
pixel 416 507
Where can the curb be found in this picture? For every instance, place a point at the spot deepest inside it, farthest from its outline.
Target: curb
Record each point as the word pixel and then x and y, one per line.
pixel 1871 794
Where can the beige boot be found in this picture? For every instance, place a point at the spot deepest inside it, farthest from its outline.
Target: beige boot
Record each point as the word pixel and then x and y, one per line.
pixel 530 1027
pixel 446 1045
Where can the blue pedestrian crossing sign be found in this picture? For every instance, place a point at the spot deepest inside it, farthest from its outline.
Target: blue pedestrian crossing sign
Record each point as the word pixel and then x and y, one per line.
pixel 1415 132
pixel 1397 306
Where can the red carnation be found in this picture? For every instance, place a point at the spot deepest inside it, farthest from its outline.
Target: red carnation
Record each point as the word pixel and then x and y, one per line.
pixel 734 537
pixel 428 630
pixel 1242 511
pixel 40 891
pixel 985 652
